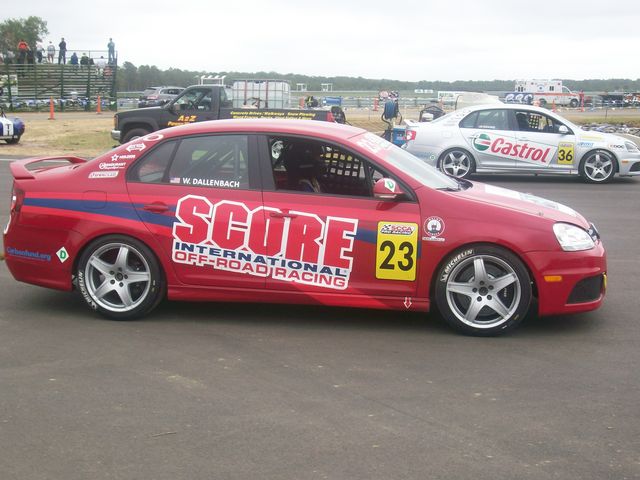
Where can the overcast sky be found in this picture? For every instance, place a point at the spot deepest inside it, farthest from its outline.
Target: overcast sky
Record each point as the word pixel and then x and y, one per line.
pixel 403 40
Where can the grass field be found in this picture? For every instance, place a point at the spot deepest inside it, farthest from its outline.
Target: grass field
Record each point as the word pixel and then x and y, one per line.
pixel 87 134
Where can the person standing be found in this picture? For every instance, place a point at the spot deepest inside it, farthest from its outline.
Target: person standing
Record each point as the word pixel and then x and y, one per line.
pixel 51 52
pixel 39 51
pixel 23 48
pixel 112 51
pixel 62 55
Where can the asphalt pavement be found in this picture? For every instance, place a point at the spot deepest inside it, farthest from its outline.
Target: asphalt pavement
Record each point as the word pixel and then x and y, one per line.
pixel 227 391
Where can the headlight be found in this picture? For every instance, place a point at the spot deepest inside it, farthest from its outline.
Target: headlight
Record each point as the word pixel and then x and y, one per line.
pixel 572 238
pixel 631 147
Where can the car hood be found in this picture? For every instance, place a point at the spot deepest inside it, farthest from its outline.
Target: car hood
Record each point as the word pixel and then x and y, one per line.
pixel 523 202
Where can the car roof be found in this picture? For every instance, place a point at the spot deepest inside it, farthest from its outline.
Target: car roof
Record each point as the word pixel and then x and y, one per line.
pixel 507 106
pixel 314 128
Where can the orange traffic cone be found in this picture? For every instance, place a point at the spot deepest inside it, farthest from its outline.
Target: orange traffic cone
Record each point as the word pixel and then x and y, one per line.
pixel 51 114
pixel 99 109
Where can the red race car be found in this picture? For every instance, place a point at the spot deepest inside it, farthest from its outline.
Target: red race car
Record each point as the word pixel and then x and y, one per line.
pixel 294 212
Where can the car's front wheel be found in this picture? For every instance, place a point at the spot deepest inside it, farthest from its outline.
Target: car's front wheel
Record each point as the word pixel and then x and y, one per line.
pixel 120 277
pixel 483 290
pixel 12 141
pixel 457 163
pixel 598 166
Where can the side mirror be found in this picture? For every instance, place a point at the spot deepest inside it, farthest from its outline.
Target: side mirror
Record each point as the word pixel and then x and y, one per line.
pixel 387 189
pixel 563 130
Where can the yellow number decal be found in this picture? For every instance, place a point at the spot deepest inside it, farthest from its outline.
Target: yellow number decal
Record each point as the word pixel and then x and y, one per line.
pixel 565 153
pixel 396 251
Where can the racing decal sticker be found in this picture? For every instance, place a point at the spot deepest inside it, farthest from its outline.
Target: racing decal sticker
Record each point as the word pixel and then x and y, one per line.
pixel 616 146
pixel 139 147
pixel 182 120
pixel 396 251
pixel 39 256
pixel 297 247
pixel 115 157
pixel 62 255
pixel 373 143
pixel 585 144
pixel 153 137
pixel 390 184
pixel 530 152
pixel 206 182
pixel 109 174
pixel 112 165
pixel 433 227
pixel 565 153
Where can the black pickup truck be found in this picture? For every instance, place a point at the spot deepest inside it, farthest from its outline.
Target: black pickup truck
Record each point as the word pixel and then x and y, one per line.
pixel 200 103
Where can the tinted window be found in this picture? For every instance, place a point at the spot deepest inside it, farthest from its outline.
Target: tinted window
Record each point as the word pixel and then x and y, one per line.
pixel 492 120
pixel 219 161
pixel 152 168
pixel 195 99
pixel 469 121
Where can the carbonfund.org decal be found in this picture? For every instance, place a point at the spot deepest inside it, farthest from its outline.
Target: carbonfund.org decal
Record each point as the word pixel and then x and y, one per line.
pixel 292 246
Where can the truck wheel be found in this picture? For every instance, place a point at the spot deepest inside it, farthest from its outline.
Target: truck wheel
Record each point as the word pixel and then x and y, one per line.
pixel 483 290
pixel 120 277
pixel 598 166
pixel 574 103
pixel 543 102
pixel 135 133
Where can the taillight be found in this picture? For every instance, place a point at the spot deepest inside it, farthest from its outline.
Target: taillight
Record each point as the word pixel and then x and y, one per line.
pixel 17 199
pixel 409 135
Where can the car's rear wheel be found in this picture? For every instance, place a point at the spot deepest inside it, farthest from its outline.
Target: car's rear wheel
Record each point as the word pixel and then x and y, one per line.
pixel 483 290
pixel 598 166
pixel 457 163
pixel 120 277
pixel 12 141
pixel 135 133
pixel 574 103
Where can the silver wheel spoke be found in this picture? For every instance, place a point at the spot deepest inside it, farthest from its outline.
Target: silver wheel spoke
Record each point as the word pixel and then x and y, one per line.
pixel 121 261
pixel 103 289
pixel 134 277
pixel 479 271
pixel 474 310
pixel 125 295
pixel 465 289
pixel 497 306
pixel 103 267
pixel 503 282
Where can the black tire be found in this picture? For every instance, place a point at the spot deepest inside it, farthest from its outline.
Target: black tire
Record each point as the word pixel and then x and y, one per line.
pixel 543 102
pixel 120 277
pixel 457 162
pixel 598 166
pixel 135 133
pixel 574 103
pixel 483 290
pixel 12 141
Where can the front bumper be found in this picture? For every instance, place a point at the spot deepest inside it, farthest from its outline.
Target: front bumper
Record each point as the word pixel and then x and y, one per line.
pixel 569 282
pixel 115 134
pixel 628 167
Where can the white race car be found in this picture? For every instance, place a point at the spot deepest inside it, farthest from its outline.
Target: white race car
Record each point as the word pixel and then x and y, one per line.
pixel 519 139
pixel 11 129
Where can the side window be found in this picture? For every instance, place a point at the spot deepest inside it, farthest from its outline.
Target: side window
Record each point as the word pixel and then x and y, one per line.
pixel 152 168
pixel 315 167
pixel 492 120
pixel 195 99
pixel 219 161
pixel 535 122
pixel 469 121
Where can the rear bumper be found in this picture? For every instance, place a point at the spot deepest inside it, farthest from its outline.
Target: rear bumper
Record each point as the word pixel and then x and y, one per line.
pixel 569 282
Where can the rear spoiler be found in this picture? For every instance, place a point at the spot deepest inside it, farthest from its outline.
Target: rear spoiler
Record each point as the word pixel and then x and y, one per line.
pixel 19 168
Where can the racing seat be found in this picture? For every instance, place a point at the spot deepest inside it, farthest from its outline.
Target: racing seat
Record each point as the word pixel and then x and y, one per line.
pixel 523 124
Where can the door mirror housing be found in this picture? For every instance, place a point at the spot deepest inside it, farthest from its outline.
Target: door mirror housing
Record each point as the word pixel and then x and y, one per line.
pixel 563 130
pixel 388 190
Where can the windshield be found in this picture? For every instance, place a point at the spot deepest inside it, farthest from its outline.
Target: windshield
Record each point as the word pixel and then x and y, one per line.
pixel 405 162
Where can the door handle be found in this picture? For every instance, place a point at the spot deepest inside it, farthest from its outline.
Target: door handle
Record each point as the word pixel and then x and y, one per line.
pixel 284 214
pixel 156 207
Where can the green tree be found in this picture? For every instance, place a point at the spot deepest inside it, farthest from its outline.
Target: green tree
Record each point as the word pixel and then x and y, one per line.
pixel 30 29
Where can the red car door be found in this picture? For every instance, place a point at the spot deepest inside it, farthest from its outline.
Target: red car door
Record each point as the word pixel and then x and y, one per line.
pixel 339 239
pixel 183 187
